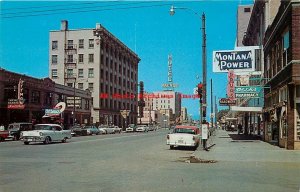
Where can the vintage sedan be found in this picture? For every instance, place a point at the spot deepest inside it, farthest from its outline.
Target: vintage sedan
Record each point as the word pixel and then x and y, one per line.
pixel 90 130
pixel 142 128
pixel 45 133
pixel 184 135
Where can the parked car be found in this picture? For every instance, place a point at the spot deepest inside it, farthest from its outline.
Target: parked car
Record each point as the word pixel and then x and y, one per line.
pixel 131 128
pixel 90 130
pixel 45 133
pixel 142 128
pixel 152 128
pixel 102 129
pixel 76 130
pixel 117 129
pixel 109 130
pixel 184 135
pixel 3 133
pixel 15 129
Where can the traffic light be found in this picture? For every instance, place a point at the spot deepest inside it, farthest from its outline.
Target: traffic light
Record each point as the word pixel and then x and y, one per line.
pixel 200 91
pixel 141 90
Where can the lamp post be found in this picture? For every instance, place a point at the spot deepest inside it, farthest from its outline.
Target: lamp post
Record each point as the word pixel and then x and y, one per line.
pixel 203 103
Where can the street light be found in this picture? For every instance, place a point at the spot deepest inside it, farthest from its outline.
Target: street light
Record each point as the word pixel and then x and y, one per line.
pixel 202 104
pixel 202 18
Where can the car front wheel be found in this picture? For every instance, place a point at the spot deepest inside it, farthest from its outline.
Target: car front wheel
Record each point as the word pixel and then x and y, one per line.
pixel 26 142
pixel 47 140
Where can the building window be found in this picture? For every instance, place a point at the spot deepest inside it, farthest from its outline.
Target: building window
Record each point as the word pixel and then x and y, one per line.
pixel 70 44
pixel 69 73
pixel 80 85
pixel 247 9
pixel 91 87
pixel 91 73
pixel 54 59
pixel 80 58
pixel 286 40
pixel 91 43
pixel 91 58
pixel 81 44
pixel 70 59
pixel 80 73
pixel 54 45
pixel 54 73
pixel 70 84
pixel 35 97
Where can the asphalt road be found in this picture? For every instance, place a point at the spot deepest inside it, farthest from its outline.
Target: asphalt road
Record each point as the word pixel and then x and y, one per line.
pixel 141 162
pixel 121 162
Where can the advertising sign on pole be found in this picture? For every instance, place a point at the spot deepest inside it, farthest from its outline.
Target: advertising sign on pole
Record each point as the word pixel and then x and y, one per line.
pixel 230 86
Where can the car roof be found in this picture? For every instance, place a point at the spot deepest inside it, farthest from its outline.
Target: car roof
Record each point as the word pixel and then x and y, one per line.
pixel 185 127
pixel 49 124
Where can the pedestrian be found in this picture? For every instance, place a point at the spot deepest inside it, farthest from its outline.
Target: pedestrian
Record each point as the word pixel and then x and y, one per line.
pixel 240 128
pixel 251 129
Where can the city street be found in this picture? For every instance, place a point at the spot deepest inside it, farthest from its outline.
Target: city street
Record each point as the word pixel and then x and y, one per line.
pixel 143 162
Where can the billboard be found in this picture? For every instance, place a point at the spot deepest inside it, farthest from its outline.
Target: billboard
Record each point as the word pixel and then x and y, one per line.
pixel 236 60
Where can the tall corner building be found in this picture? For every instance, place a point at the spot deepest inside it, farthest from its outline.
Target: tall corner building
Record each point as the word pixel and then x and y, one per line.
pixel 95 59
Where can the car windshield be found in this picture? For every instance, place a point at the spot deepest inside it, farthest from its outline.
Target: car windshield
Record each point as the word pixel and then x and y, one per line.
pixel 182 130
pixel 42 127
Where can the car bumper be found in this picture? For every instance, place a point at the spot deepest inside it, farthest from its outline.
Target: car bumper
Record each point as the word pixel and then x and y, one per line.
pixel 33 138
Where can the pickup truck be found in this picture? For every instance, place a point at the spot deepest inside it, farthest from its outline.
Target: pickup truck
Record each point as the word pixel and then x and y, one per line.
pixel 46 133
pixel 184 135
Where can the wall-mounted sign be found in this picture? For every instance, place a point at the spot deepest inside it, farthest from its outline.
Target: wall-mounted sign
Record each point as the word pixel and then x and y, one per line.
pixel 15 104
pixel 52 112
pixel 227 101
pixel 237 60
pixel 230 86
pixel 247 91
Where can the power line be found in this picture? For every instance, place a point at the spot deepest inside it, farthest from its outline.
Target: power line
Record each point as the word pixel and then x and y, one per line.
pixel 91 10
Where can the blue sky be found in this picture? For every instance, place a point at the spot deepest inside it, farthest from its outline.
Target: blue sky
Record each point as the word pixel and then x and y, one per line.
pixel 145 27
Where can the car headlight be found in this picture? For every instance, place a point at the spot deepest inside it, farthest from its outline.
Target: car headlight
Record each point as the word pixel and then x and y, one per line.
pixel 41 134
pixel 21 134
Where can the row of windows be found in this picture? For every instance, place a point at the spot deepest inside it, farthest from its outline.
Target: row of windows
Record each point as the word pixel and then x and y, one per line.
pixel 80 86
pixel 117 105
pixel 71 59
pixel 70 44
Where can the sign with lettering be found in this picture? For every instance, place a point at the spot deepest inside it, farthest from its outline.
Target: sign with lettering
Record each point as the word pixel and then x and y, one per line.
pixel 237 60
pixel 52 112
pixel 247 89
pixel 230 86
pixel 227 101
pixel 247 95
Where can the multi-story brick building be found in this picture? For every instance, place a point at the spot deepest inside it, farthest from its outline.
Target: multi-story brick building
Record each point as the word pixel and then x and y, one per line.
pixel 282 73
pixel 95 59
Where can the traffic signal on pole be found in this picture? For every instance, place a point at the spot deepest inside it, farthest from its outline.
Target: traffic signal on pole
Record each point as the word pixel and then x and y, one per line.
pixel 200 91
pixel 141 102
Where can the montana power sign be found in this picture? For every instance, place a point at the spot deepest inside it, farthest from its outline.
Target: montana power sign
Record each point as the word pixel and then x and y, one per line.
pixel 236 60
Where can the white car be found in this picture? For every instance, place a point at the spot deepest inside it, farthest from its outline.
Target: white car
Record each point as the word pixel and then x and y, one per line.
pixel 46 133
pixel 184 135
pixel 117 129
pixel 142 128
pixel 130 128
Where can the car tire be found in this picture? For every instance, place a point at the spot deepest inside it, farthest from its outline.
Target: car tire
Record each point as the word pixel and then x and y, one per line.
pixel 64 140
pixel 47 140
pixel 171 147
pixel 26 143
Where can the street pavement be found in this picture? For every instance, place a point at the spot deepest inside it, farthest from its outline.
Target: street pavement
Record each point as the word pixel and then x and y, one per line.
pixel 142 162
pixel 249 164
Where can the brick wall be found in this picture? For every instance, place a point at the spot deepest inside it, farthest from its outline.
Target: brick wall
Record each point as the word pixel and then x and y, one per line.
pixel 296 33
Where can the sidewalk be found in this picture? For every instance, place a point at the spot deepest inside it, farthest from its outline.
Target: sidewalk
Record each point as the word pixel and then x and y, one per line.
pixel 229 146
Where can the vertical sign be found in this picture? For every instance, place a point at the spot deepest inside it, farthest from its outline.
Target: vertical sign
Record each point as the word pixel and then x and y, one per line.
pixel 230 86
pixel 204 131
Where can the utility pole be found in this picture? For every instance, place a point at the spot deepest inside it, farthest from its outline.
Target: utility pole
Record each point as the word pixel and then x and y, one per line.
pixel 204 68
pixel 211 103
